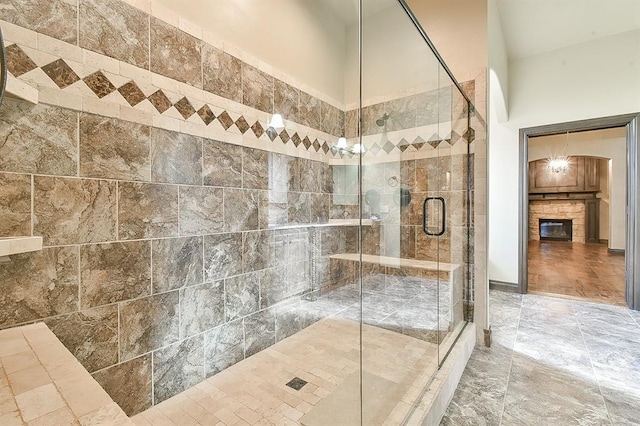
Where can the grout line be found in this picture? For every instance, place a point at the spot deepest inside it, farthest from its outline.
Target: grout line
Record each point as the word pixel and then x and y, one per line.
pixel 593 370
pixel 506 391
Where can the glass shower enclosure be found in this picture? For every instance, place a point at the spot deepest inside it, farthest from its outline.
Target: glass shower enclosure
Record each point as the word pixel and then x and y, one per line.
pixel 404 174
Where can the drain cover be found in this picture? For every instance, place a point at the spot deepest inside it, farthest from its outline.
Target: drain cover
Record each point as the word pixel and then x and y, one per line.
pixel 296 383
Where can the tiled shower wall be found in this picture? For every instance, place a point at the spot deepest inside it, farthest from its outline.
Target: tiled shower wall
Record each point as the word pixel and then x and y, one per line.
pixel 148 170
pixel 159 267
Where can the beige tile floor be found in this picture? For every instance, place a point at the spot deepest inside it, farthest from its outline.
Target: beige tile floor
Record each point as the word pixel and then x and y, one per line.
pixel 253 392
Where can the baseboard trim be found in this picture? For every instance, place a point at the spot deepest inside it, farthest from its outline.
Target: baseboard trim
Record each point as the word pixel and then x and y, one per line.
pixel 616 252
pixel 503 286
pixel 603 241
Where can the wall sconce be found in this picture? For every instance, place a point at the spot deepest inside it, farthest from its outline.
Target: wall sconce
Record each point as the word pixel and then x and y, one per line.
pixel 343 148
pixel 276 123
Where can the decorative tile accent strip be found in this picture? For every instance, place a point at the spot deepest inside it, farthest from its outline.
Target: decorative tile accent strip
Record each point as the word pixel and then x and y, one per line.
pixel 102 85
pixel 206 114
pixel 132 93
pixel 99 84
pixel 18 62
pixel 60 73
pixel 185 108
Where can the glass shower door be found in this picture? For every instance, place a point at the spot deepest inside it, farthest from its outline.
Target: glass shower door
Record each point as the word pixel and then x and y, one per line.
pixel 413 233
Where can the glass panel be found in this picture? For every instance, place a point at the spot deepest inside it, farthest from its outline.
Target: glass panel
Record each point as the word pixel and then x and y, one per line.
pixel 401 181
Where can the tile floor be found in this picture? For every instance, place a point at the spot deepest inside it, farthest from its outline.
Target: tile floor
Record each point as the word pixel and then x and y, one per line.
pixel 586 271
pixel 553 362
pixel 398 349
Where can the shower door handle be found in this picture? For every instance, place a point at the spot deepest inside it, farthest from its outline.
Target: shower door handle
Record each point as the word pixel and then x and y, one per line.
pixel 425 216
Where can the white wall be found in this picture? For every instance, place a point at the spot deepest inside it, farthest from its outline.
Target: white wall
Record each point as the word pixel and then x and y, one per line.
pixel 300 38
pixel 589 80
pixel 609 143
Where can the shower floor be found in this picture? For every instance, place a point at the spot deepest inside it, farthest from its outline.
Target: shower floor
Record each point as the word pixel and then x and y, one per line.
pixel 327 356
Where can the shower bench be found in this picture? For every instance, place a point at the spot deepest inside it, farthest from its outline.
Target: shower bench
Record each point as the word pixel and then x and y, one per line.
pixel 450 275
pixel 40 380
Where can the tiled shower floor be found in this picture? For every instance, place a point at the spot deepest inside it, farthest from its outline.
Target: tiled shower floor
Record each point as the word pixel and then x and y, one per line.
pixel 325 355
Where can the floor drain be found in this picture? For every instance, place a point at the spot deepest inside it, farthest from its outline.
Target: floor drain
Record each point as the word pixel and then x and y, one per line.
pixel 296 383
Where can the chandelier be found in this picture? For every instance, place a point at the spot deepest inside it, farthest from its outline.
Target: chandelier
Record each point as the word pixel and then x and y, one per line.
pixel 560 163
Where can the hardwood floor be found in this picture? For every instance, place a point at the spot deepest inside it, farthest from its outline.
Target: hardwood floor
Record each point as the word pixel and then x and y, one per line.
pixel 585 271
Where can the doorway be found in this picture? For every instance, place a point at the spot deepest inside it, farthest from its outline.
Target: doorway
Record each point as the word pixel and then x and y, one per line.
pixel 596 191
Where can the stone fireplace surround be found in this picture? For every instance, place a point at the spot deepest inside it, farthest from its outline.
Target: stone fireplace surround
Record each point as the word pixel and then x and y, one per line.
pixel 557 209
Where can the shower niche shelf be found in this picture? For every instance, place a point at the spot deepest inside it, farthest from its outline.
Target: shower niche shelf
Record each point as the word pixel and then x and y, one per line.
pixel 15 245
pixel 20 90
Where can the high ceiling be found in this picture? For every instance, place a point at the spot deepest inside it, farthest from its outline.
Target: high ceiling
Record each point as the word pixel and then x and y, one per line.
pixel 531 27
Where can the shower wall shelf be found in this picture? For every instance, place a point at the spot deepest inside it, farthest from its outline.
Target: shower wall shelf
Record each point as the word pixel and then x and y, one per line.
pixel 15 245
pixel 20 90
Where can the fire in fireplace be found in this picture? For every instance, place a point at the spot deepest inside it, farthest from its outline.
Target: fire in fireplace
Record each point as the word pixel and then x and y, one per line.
pixel 556 229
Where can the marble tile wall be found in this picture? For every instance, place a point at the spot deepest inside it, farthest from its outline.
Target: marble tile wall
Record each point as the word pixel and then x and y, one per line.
pixel 158 242
pixel 143 210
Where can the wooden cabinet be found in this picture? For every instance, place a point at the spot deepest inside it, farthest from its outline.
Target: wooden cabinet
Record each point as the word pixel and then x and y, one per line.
pixel 583 176
pixel 592 221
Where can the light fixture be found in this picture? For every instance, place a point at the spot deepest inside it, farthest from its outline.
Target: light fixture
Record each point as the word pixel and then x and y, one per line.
pixel 342 148
pixel 276 121
pixel 560 163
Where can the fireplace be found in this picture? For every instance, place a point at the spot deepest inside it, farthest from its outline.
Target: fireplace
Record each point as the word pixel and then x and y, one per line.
pixel 556 229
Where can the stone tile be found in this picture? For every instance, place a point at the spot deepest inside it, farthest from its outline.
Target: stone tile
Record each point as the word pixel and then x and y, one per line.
pixel 259 331
pixel 147 210
pixel 370 115
pixel 201 308
pixel 115 29
pixel 114 149
pixel 222 164
pixel 129 384
pixel 332 119
pixel 255 169
pixel 114 272
pixel 56 18
pixel 622 405
pixel 468 408
pixel 72 211
pixel 257 250
pixel 175 54
pixel 177 263
pixel 201 210
pixel 90 335
pixel 222 73
pixel 351 124
pixel 319 208
pixel 39 285
pixel 39 401
pixel 402 113
pixel 299 208
pixel 242 295
pixel 222 255
pixel 18 62
pixel 206 114
pixel 38 139
pixel 538 391
pixel 185 108
pixel 223 347
pixel 148 324
pixel 132 93
pixel 257 88
pixel 241 209
pixel 99 84
pixel 61 73
pixel 160 101
pixel 286 101
pixel 15 204
pixel 310 113
pixel 273 287
pixel 177 368
pixel 176 157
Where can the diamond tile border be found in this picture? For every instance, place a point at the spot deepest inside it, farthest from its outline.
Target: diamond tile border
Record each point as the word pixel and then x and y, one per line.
pixel 103 84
